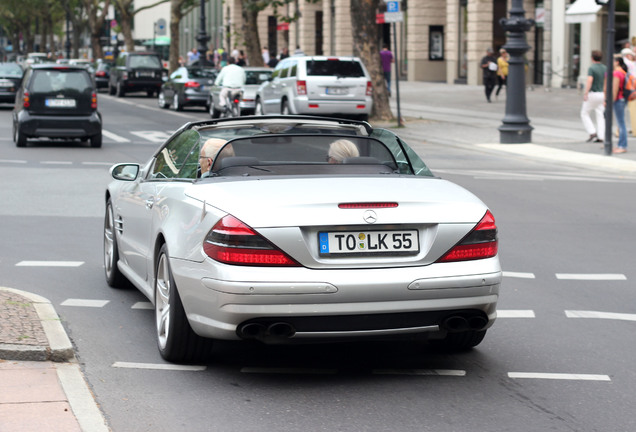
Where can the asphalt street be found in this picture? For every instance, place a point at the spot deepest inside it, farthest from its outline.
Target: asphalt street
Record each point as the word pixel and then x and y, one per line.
pixel 558 358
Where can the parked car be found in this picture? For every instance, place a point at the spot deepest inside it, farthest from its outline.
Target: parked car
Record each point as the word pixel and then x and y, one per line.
pixel 85 63
pixel 10 78
pixel 187 86
pixel 303 229
pixel 58 102
pixel 102 74
pixel 334 86
pixel 134 72
pixel 255 76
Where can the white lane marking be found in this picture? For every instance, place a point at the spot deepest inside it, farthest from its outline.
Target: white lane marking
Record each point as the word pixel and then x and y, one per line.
pixel 13 161
pixel 84 303
pixel 559 376
pixel 49 263
pixel 114 137
pixel 422 372
pixel 152 136
pixel 99 163
pixel 519 275
pixel 56 163
pixel 142 305
pixel 515 314
pixel 600 315
pixel 591 276
pixel 288 371
pixel 158 366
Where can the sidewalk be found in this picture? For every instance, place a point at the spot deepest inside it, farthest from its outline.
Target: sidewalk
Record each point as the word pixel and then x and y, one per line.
pixel 41 385
pixel 459 115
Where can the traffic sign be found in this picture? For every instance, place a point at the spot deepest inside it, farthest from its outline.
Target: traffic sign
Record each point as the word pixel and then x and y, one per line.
pixel 392 6
pixel 391 17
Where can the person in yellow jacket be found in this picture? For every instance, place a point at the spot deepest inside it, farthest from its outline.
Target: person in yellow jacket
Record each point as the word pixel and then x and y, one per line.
pixel 502 70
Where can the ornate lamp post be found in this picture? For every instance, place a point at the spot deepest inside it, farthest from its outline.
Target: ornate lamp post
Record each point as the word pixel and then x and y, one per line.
pixel 516 127
pixel 202 37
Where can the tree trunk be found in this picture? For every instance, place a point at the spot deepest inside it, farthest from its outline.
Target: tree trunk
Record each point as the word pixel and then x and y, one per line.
pixel 175 19
pixel 250 34
pixel 365 45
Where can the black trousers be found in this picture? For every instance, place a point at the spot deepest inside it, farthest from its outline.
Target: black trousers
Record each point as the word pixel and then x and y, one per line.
pixel 489 85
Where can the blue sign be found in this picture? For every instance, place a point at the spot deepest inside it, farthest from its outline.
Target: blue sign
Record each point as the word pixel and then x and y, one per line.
pixel 393 6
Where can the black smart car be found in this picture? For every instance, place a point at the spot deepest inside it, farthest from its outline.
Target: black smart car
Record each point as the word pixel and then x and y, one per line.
pixel 136 71
pixel 57 102
pixel 10 77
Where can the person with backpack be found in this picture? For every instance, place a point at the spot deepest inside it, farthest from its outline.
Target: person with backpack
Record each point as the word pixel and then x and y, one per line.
pixel 618 85
pixel 629 58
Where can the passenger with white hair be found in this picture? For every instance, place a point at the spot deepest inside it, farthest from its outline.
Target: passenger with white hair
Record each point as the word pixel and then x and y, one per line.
pixel 340 150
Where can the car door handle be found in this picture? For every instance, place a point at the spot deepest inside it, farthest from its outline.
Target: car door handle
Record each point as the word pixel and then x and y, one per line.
pixel 150 202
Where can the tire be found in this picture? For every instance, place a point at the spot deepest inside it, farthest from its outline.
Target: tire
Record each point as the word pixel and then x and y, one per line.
pixel 150 93
pixel 258 108
pixel 111 89
pixel 175 103
pixel 114 277
pixel 461 341
pixel 161 101
pixel 19 138
pixel 175 339
pixel 120 92
pixel 364 117
pixel 284 110
pixel 96 140
pixel 235 110
pixel 214 113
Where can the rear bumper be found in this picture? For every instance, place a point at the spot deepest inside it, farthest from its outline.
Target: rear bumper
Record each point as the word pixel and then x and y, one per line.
pixel 354 304
pixel 39 126
pixel 141 85
pixel 332 107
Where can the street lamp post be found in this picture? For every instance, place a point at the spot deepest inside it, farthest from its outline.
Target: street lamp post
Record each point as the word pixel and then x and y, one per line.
pixel 67 45
pixel 609 102
pixel 202 37
pixel 516 127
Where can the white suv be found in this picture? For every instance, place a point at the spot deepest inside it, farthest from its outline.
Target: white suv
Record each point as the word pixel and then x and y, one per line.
pixel 332 86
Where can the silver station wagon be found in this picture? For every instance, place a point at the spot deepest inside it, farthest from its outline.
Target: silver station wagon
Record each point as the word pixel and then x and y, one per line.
pixel 332 86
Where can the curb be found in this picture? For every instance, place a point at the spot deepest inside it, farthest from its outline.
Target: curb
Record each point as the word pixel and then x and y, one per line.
pixel 60 348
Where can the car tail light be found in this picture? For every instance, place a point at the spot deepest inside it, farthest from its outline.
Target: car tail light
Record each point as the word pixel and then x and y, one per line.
pixel 301 87
pixel 27 100
pixel 367 205
pixel 480 243
pixel 369 88
pixel 192 84
pixel 230 241
pixel 94 100
pixel 100 73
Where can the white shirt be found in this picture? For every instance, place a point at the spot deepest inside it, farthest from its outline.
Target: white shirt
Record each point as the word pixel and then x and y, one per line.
pixel 631 66
pixel 231 76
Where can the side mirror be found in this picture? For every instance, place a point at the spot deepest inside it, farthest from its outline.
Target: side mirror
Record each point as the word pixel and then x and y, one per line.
pixel 125 172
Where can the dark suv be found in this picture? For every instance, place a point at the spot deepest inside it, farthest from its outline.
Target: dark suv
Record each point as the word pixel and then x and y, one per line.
pixel 136 71
pixel 59 102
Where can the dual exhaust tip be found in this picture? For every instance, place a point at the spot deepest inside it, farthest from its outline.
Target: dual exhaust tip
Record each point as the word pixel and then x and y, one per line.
pixel 255 330
pixel 459 323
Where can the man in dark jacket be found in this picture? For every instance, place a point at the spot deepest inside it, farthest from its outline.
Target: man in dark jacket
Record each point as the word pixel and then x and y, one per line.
pixel 489 67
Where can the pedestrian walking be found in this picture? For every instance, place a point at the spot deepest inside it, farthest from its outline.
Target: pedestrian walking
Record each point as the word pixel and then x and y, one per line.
pixel 386 57
pixel 502 71
pixel 489 67
pixel 618 84
pixel 629 58
pixel 594 99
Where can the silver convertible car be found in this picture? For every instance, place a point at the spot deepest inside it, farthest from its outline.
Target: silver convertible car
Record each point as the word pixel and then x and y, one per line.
pixel 303 229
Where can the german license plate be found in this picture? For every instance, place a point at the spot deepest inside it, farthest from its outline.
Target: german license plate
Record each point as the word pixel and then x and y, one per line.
pixel 60 103
pixel 145 74
pixel 337 91
pixel 398 242
pixel 6 83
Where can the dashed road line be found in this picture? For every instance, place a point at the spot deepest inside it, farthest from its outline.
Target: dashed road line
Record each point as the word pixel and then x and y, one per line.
pixel 600 315
pixel 98 163
pixel 49 263
pixel 420 372
pixel 519 275
pixel 158 366
pixel 142 305
pixel 12 161
pixel 558 376
pixel 153 136
pixel 114 136
pixel 591 276
pixel 56 162
pixel 85 303
pixel 515 313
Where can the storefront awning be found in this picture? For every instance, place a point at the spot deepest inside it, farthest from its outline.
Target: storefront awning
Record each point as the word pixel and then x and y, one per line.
pixel 582 11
